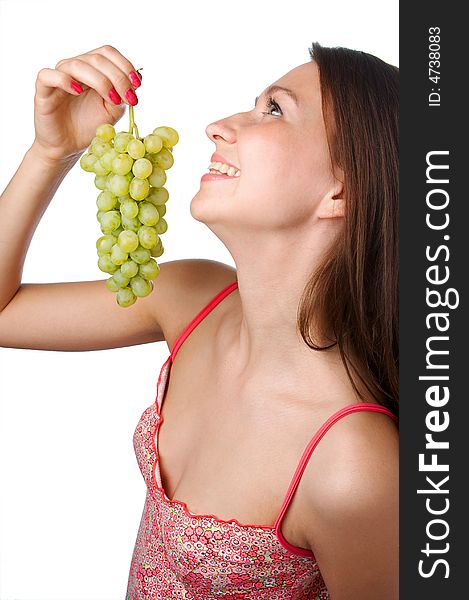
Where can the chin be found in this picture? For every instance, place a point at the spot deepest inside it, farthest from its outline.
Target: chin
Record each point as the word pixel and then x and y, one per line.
pixel 196 206
pixel 203 208
pixel 208 202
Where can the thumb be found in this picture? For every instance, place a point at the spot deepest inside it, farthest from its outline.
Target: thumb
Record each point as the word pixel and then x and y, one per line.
pixel 116 112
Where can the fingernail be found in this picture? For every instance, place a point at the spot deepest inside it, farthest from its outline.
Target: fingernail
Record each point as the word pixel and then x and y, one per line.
pixel 134 80
pixel 131 97
pixel 76 87
pixel 114 96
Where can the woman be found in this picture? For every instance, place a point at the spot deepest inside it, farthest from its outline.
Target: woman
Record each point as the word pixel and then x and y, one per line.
pixel 296 345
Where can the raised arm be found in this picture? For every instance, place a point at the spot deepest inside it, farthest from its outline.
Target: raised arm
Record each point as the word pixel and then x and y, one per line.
pixel 84 315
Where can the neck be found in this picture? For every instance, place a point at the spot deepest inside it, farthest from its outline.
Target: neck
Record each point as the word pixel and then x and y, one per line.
pixel 271 278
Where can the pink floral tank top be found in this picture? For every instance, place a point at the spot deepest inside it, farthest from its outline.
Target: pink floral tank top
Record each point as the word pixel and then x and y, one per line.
pixel 179 554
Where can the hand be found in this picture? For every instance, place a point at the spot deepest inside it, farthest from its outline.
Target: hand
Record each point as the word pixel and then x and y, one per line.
pixel 65 120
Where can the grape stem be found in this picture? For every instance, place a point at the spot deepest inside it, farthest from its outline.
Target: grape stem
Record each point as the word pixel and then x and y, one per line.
pixel 132 124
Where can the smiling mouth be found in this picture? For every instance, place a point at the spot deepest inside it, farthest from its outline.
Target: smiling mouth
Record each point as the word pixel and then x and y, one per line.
pixel 223 169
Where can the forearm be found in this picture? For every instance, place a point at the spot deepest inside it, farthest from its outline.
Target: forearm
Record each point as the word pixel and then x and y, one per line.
pixel 22 205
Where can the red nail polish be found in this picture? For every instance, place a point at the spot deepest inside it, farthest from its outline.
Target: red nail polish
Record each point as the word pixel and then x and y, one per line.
pixel 76 87
pixel 134 80
pixel 114 96
pixel 131 97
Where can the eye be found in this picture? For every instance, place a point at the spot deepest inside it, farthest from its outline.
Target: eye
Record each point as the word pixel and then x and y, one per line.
pixel 270 103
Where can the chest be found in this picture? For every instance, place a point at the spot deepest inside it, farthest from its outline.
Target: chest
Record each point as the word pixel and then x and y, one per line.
pixel 227 449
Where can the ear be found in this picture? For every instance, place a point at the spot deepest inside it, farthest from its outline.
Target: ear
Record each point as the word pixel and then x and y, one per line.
pixel 332 205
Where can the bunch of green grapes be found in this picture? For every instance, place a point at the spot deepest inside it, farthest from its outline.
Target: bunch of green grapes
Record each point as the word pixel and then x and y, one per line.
pixel 130 172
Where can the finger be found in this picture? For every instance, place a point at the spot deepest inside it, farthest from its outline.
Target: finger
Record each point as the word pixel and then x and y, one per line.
pixel 48 80
pixel 120 61
pixel 116 75
pixel 83 72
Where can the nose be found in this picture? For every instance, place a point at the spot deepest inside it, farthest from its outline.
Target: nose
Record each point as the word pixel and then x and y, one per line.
pixel 221 130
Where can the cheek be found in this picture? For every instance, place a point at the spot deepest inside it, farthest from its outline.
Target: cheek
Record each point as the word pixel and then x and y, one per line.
pixel 267 164
pixel 284 173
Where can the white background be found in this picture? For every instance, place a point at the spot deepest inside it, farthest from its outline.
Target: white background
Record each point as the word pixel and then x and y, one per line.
pixel 71 491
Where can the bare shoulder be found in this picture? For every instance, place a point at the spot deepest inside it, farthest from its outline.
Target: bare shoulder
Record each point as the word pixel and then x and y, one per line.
pixel 184 288
pixel 361 447
pixel 352 493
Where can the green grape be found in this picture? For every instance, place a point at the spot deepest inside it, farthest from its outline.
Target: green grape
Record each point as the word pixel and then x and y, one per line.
pixel 139 188
pixel 111 284
pixel 157 250
pixel 129 208
pixel 99 148
pixel 105 264
pixel 141 255
pixel 87 161
pixel 122 199
pixel 130 224
pixel 148 214
pixel 164 159
pixel 122 164
pixel 153 143
pixel 121 280
pixel 128 241
pixel 136 149
pixel 151 158
pixel 108 177
pixel 105 243
pixel 129 268
pixel 149 270
pixel 142 168
pixel 147 236
pixel 158 177
pixel 106 132
pixel 106 159
pixel 162 226
pixel 122 140
pixel 118 256
pixel 95 140
pixel 158 196
pixel 119 185
pixel 118 231
pixel 99 214
pixel 141 287
pixel 100 181
pixel 161 210
pixel 158 240
pixel 106 201
pixel 125 297
pixel 99 169
pixel 110 221
pixel 168 135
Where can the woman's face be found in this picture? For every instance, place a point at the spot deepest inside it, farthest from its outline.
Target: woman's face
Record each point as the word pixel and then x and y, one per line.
pixel 280 148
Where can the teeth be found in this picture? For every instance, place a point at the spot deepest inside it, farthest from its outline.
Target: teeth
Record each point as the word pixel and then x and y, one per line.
pixel 225 169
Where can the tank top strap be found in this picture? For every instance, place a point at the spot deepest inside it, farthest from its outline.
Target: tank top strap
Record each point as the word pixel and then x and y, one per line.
pixel 201 315
pixel 312 445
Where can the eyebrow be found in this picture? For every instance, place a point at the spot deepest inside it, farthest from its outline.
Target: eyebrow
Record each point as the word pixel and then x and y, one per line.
pixel 278 88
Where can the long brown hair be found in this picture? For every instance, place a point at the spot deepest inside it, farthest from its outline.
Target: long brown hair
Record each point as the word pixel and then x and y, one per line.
pixel 355 291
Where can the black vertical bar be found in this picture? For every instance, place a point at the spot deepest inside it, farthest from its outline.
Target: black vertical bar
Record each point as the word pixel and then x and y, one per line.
pixel 434 230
